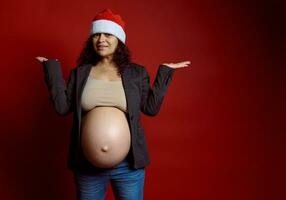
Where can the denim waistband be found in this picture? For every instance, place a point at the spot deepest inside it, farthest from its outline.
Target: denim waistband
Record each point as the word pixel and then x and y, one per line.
pixel 88 167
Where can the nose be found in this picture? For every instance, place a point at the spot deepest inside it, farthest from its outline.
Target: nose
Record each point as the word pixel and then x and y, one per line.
pixel 101 37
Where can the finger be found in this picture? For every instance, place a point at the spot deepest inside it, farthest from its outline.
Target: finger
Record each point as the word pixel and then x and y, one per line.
pixel 185 62
pixel 41 59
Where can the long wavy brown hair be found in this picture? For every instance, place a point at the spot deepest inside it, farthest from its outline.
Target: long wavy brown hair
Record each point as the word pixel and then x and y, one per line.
pixel 88 55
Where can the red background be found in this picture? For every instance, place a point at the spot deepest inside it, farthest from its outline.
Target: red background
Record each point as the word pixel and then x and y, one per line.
pixel 221 131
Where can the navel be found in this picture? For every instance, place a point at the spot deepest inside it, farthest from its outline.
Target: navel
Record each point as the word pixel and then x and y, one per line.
pixel 105 148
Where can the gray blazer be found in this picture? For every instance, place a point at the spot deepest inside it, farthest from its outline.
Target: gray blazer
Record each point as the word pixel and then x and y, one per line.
pixel 140 97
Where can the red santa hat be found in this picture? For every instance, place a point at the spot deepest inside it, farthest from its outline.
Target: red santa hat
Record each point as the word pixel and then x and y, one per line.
pixel 107 22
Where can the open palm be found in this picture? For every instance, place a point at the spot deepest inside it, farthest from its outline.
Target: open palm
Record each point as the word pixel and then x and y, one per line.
pixel 178 65
pixel 41 59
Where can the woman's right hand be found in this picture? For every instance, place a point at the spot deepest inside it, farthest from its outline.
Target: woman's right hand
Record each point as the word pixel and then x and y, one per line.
pixel 41 59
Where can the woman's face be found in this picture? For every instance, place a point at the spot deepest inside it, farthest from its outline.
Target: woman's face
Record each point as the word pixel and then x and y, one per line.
pixel 104 44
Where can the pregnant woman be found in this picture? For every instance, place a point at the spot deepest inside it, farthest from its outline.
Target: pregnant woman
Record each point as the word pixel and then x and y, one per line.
pixel 106 93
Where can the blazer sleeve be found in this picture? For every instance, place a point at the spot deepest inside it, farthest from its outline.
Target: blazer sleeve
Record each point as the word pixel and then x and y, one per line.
pixel 61 94
pixel 152 98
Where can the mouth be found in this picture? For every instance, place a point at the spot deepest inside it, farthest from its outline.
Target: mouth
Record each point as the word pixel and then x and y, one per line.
pixel 101 47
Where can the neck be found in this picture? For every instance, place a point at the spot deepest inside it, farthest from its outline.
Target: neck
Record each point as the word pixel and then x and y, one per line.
pixel 107 63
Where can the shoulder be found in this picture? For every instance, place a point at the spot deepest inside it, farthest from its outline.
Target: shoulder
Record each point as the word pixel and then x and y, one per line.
pixel 137 67
pixel 135 70
pixel 82 67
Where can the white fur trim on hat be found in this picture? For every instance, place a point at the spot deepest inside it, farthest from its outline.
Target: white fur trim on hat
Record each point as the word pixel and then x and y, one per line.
pixel 107 26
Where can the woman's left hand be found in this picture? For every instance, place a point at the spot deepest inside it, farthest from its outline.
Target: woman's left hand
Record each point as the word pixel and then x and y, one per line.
pixel 178 65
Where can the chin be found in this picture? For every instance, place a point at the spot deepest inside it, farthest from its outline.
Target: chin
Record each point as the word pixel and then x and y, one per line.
pixel 105 54
pixel 101 54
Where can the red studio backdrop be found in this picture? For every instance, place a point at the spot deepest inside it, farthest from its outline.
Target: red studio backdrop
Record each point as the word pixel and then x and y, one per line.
pixel 220 133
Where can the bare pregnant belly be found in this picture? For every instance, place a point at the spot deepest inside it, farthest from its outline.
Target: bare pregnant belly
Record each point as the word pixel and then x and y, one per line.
pixel 105 136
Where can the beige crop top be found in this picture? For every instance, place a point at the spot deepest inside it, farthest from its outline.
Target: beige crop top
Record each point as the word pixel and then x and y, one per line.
pixel 103 93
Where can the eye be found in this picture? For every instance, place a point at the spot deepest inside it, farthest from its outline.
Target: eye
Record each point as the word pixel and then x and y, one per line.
pixel 95 35
pixel 108 34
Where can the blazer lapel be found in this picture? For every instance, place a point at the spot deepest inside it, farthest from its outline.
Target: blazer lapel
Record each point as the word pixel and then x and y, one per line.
pixel 126 77
pixel 82 75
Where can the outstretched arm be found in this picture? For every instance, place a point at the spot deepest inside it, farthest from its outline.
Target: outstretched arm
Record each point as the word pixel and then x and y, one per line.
pixel 152 98
pixel 60 94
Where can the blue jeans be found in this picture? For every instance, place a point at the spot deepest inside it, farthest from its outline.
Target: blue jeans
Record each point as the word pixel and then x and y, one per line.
pixel 126 183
